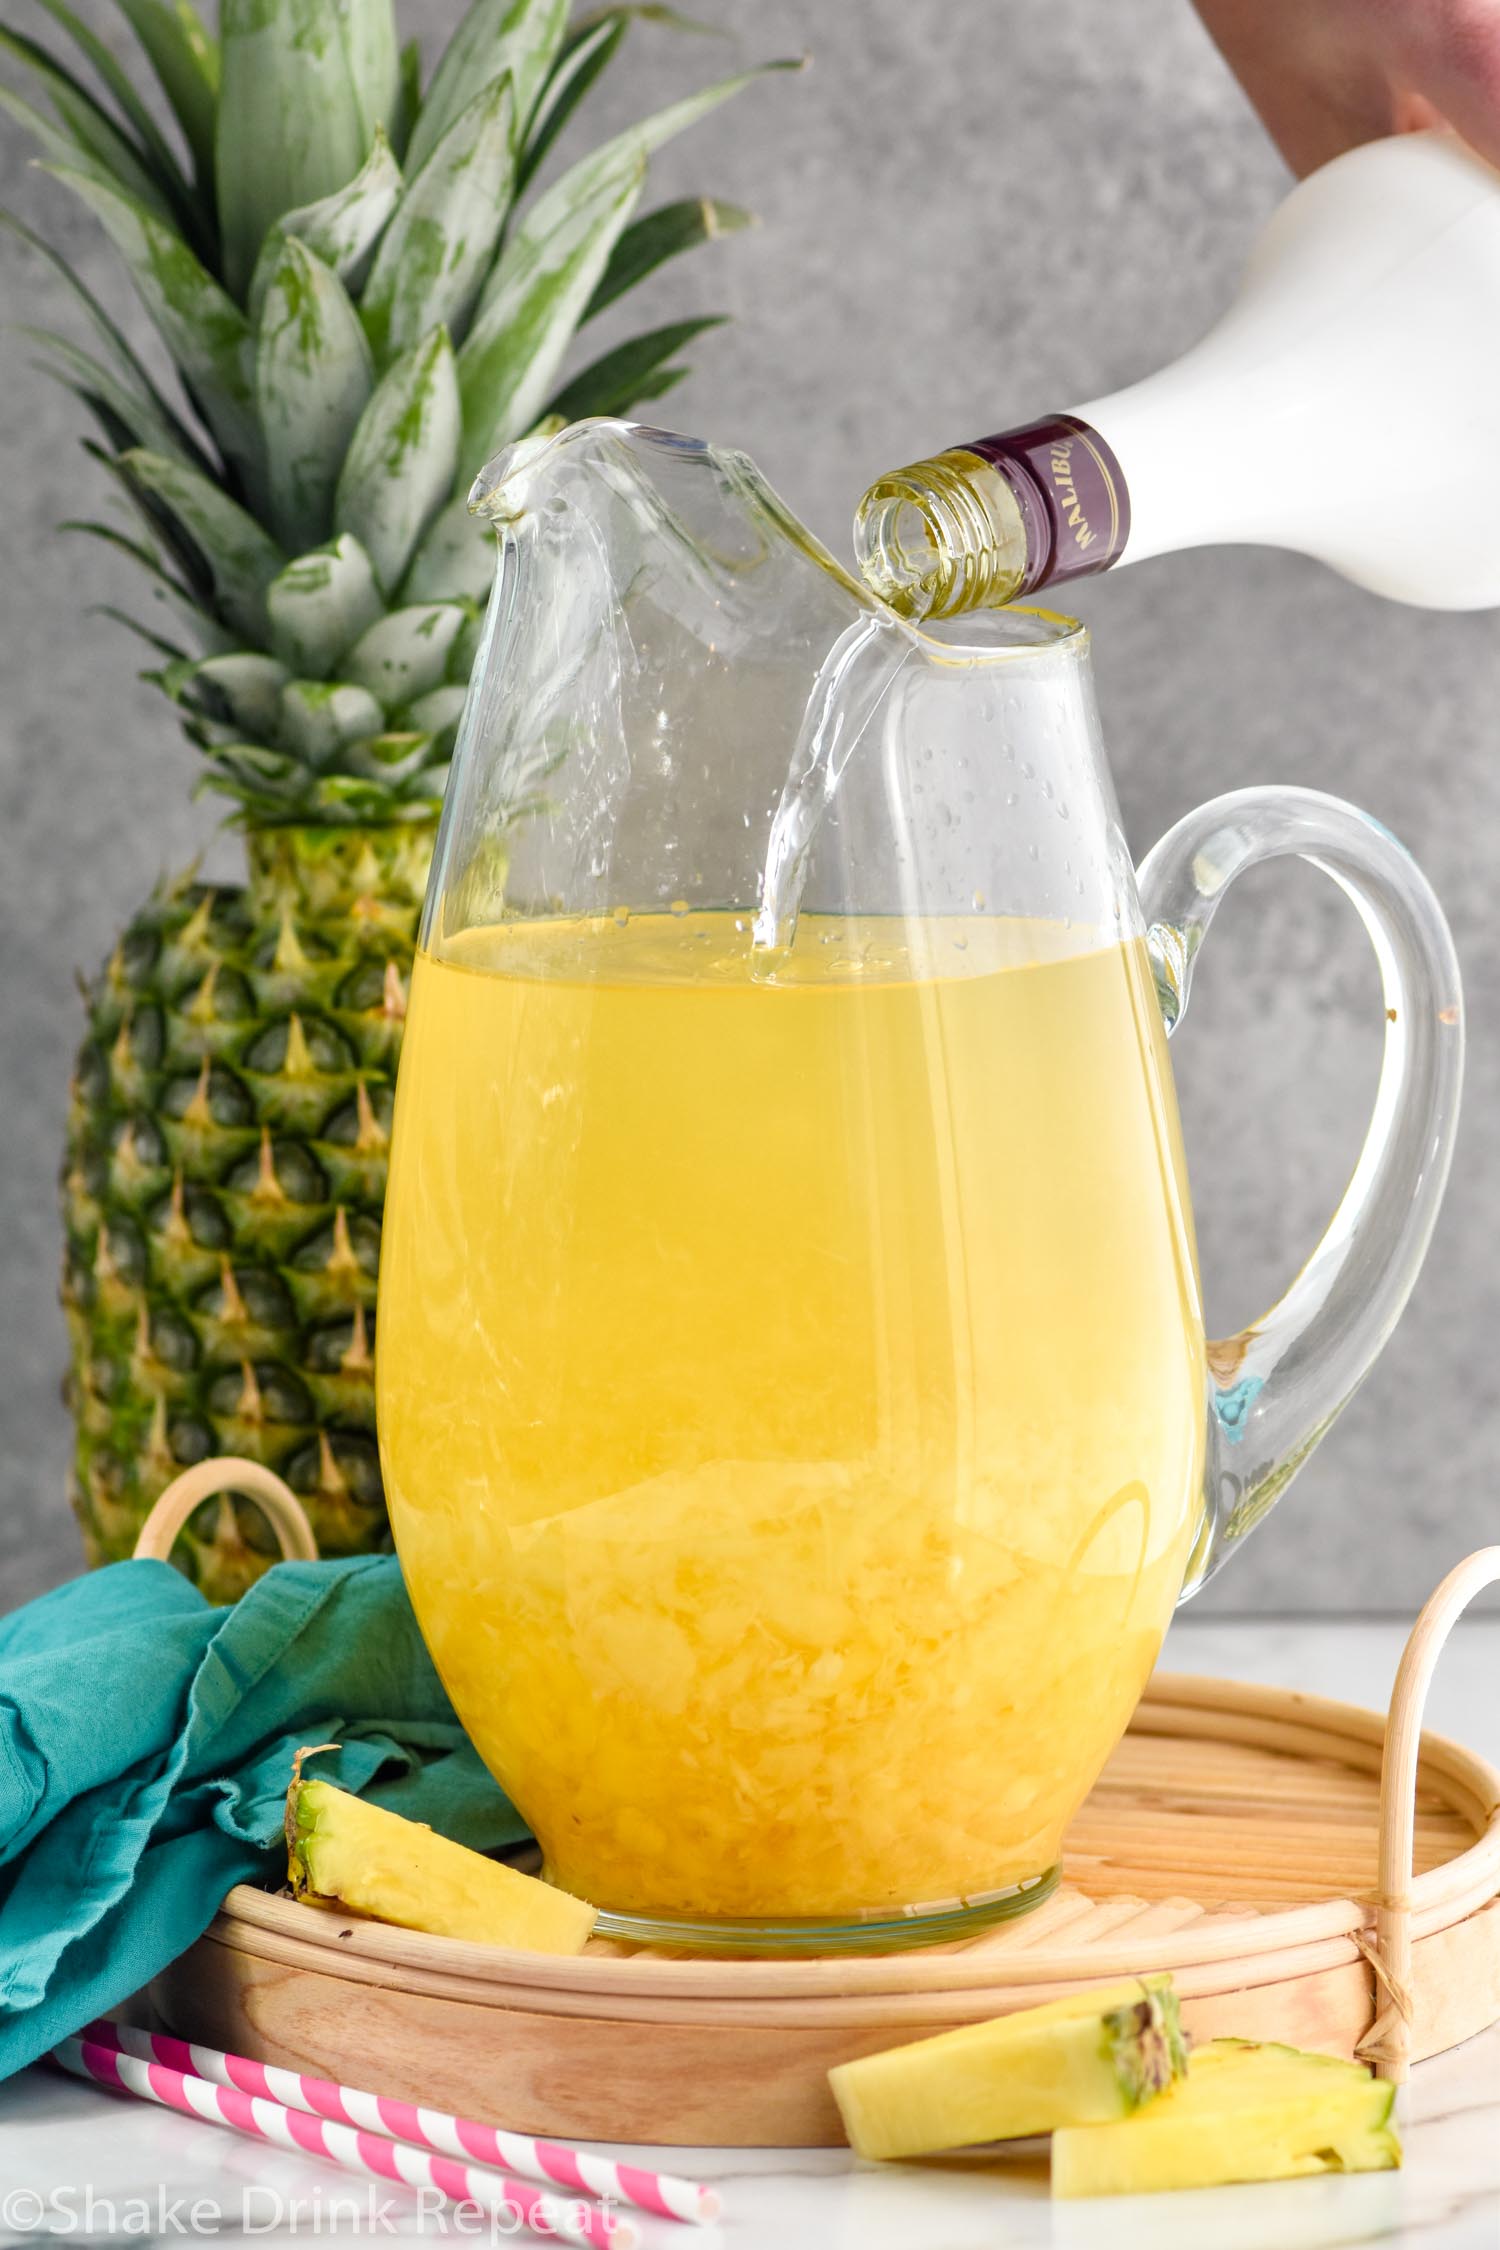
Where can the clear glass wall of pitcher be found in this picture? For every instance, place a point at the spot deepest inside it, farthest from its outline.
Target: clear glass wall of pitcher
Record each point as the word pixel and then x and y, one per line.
pixel 793 1394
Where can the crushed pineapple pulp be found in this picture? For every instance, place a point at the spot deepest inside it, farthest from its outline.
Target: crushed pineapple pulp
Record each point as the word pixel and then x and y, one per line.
pixel 790 1394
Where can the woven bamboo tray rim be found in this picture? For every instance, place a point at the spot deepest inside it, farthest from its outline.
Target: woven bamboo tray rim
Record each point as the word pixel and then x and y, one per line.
pixel 932 2003
pixel 1230 1944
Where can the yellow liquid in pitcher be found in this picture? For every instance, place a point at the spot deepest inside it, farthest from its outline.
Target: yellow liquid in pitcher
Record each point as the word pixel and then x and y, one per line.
pixel 791 1394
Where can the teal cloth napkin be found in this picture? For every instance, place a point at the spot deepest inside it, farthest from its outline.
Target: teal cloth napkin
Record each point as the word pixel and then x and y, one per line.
pixel 145 1746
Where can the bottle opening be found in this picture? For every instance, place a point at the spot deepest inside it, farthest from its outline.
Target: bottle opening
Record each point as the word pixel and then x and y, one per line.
pixel 943 536
pixel 898 548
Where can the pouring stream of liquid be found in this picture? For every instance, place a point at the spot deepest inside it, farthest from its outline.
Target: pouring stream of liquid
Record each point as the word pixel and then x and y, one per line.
pixel 856 677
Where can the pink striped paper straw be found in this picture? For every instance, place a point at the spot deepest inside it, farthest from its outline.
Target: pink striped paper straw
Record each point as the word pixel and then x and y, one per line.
pixel 549 2161
pixel 357 2151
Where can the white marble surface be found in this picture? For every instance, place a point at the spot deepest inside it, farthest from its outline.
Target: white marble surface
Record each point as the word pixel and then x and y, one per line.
pixel 153 2176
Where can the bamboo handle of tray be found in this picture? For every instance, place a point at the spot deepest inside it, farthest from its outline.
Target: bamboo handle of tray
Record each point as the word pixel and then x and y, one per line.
pixel 1387 2043
pixel 228 1472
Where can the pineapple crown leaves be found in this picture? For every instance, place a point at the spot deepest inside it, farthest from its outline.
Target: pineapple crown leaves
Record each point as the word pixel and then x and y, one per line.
pixel 364 293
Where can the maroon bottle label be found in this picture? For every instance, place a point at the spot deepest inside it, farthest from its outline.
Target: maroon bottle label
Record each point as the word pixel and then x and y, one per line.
pixel 1071 493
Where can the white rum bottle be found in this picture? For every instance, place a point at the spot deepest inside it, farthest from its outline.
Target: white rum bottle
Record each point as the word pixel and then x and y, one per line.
pixel 1346 406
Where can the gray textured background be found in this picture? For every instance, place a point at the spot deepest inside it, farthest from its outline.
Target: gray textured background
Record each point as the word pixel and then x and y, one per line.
pixel 973 210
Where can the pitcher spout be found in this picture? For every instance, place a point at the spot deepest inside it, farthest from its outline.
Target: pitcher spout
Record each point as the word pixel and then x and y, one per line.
pixel 505 487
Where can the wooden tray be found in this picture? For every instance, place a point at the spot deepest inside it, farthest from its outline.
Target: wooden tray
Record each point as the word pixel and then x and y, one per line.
pixel 1303 1875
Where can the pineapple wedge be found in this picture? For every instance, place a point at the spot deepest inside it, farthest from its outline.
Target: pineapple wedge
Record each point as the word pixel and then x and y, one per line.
pixel 1244 2112
pixel 342 1851
pixel 1094 2056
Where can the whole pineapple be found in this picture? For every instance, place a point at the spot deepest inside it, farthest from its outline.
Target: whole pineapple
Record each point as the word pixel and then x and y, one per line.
pixel 358 314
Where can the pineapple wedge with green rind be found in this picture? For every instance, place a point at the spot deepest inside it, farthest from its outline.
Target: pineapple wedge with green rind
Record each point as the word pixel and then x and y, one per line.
pixel 1094 2056
pixel 342 1851
pixel 1245 2111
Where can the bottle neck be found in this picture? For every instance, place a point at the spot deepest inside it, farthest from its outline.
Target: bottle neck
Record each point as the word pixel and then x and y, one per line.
pixel 1071 493
pixel 994 520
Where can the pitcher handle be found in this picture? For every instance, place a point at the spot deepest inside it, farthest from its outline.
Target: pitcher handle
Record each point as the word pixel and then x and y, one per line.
pixel 1276 1387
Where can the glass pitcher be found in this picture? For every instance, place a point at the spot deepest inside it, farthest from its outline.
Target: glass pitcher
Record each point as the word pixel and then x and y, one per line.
pixel 793 1396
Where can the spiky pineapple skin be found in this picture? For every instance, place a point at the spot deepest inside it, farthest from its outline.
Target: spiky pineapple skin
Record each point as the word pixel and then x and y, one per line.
pixel 222 1192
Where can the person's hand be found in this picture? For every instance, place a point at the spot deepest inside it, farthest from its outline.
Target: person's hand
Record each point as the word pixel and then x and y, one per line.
pixel 1326 75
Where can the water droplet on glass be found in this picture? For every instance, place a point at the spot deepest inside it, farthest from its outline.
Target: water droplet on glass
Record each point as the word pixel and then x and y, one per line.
pixel 620 917
pixel 979 902
pixel 679 907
